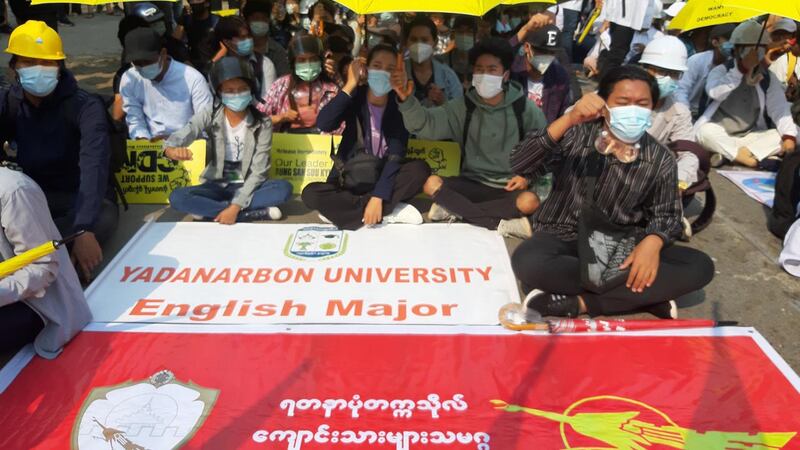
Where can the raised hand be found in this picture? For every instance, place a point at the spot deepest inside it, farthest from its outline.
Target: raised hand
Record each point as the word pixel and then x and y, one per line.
pixel 588 108
pixel 402 86
pixel 178 153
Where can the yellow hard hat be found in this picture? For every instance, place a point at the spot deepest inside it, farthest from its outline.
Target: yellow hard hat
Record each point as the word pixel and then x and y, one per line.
pixel 34 39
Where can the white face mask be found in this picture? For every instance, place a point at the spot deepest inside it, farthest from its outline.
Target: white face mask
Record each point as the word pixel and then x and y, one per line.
pixel 420 52
pixel 488 86
pixel 542 62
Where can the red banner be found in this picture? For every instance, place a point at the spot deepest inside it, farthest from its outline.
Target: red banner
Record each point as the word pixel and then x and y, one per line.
pixel 385 391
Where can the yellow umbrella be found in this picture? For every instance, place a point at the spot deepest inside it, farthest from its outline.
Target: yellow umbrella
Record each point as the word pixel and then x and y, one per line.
pixel 12 265
pixel 468 7
pixel 781 8
pixel 704 13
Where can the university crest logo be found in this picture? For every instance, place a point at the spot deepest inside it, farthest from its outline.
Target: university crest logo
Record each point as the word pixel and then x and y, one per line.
pixel 157 413
pixel 316 242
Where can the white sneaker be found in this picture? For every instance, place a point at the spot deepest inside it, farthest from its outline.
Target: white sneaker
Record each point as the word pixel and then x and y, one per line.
pixel 687 229
pixel 274 213
pixel 438 213
pixel 403 213
pixel 518 228
pixel 324 219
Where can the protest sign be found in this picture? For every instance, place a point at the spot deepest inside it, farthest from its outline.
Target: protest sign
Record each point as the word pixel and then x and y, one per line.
pixel 760 186
pixel 249 273
pixel 149 178
pixel 441 389
pixel 305 158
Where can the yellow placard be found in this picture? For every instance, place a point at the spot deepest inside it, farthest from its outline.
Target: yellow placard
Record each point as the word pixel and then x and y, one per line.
pixel 148 178
pixel 226 12
pixel 443 157
pixel 305 158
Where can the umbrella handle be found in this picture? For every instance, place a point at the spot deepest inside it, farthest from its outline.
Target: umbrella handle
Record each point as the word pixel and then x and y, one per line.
pixel 12 265
pixel 589 23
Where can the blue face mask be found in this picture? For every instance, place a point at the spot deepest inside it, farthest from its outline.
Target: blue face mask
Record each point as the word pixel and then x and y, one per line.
pixel 666 85
pixel 151 71
pixel 40 81
pixel 379 82
pixel 237 102
pixel 244 47
pixel 629 123
pixel 726 49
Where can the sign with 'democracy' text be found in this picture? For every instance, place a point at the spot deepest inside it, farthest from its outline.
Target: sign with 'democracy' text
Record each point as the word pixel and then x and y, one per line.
pixel 250 273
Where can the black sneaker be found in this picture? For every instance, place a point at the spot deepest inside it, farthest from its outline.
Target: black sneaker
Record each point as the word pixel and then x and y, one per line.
pixel 664 310
pixel 553 304
pixel 255 215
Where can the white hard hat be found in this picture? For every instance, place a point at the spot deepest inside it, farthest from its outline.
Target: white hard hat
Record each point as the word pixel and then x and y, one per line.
pixel 748 33
pixel 674 9
pixel 784 24
pixel 666 52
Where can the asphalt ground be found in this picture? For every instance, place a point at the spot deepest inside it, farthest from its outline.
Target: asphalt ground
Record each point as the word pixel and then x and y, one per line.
pixel 749 286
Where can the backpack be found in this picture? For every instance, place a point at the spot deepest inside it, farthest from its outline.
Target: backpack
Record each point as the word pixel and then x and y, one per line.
pixel 117 136
pixel 703 183
pixel 519 110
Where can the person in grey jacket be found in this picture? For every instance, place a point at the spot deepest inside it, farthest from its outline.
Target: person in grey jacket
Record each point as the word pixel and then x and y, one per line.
pixel 234 183
pixel 42 302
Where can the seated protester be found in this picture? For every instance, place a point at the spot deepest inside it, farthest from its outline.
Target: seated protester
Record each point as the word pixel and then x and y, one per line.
pixel 145 15
pixel 371 111
pixel 734 126
pixel 62 139
pixel 148 15
pixel 434 83
pixel 234 184
pixel 464 39
pixel 632 187
pixel 785 66
pixel 338 42
pixel 235 39
pixel 257 14
pixel 277 28
pixel 444 42
pixel 546 82
pixel 41 303
pixel 294 100
pixel 196 27
pixel 159 95
pixel 691 87
pixel 293 23
pixel 488 122
pixel 665 59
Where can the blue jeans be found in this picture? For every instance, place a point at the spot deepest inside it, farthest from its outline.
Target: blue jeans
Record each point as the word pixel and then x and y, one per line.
pixel 209 199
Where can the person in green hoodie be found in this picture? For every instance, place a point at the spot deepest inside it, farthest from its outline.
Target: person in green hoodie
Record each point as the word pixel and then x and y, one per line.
pixel 488 122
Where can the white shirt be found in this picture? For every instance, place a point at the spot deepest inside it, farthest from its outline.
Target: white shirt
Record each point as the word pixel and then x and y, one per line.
pixel 780 68
pixel 634 14
pixel 693 81
pixel 160 108
pixel 722 81
pixel 234 149
pixel 269 75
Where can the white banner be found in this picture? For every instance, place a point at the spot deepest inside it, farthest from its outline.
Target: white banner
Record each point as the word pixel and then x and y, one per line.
pixel 291 274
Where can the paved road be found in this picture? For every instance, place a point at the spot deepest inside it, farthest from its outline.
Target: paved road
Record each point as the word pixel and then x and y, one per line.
pixel 749 286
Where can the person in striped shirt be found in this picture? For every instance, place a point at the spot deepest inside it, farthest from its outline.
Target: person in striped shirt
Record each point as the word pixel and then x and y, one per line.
pixel 635 189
